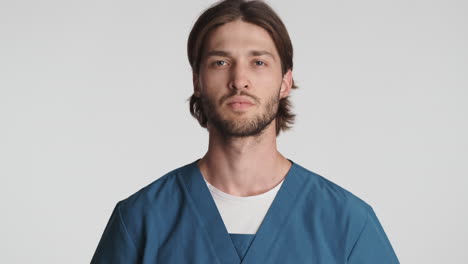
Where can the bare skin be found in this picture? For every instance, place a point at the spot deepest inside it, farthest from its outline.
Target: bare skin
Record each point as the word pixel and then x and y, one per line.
pixel 241 58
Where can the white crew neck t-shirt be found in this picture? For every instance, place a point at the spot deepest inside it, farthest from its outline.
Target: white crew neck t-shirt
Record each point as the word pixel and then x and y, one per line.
pixel 242 215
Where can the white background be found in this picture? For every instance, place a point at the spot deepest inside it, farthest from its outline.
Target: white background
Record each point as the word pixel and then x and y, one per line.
pixel 93 107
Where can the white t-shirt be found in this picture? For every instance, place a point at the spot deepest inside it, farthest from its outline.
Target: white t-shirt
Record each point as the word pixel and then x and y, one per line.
pixel 243 215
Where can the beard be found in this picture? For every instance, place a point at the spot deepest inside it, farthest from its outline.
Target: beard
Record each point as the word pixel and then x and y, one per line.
pixel 242 127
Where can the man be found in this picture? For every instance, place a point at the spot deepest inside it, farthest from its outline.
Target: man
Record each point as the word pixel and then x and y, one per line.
pixel 243 202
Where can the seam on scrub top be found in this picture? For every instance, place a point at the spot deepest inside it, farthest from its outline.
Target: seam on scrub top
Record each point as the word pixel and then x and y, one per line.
pixel 125 227
pixel 359 236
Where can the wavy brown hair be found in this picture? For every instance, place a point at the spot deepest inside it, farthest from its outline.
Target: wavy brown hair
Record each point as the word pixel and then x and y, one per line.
pixel 257 13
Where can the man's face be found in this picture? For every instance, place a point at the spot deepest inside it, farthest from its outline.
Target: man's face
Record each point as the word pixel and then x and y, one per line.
pixel 240 80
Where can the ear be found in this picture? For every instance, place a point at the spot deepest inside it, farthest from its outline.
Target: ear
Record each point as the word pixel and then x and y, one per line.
pixel 196 84
pixel 286 84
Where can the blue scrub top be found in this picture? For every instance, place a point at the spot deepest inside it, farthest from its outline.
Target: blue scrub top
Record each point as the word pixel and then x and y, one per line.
pixel 311 220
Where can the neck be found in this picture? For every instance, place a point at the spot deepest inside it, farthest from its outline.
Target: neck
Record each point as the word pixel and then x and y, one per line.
pixel 244 166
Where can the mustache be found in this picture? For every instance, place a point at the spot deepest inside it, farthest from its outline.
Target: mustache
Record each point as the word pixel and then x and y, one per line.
pixel 240 93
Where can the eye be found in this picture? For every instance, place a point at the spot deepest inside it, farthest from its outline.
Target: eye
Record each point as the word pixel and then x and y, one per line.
pixel 220 63
pixel 259 63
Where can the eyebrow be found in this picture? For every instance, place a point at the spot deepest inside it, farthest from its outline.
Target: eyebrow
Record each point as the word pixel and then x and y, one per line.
pixel 252 53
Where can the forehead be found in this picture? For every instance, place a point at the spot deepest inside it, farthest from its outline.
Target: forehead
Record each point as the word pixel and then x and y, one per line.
pixel 238 36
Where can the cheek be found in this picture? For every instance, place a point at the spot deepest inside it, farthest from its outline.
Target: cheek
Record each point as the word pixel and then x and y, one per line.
pixel 269 81
pixel 209 78
pixel 211 86
pixel 271 75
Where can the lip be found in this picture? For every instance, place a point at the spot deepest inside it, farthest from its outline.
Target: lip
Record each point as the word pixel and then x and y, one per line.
pixel 240 107
pixel 239 100
pixel 239 103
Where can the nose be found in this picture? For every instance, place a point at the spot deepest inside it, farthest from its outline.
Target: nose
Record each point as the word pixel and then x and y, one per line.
pixel 239 79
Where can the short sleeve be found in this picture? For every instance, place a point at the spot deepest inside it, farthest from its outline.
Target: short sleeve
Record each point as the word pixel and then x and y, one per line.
pixel 116 245
pixel 372 245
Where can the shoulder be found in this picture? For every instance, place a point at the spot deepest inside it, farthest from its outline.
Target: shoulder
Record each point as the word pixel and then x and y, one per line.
pixel 337 211
pixel 333 202
pixel 160 190
pixel 154 203
pixel 330 193
pixel 157 202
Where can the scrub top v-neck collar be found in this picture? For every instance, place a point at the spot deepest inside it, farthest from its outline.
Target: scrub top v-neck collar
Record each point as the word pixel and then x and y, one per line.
pixel 220 240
